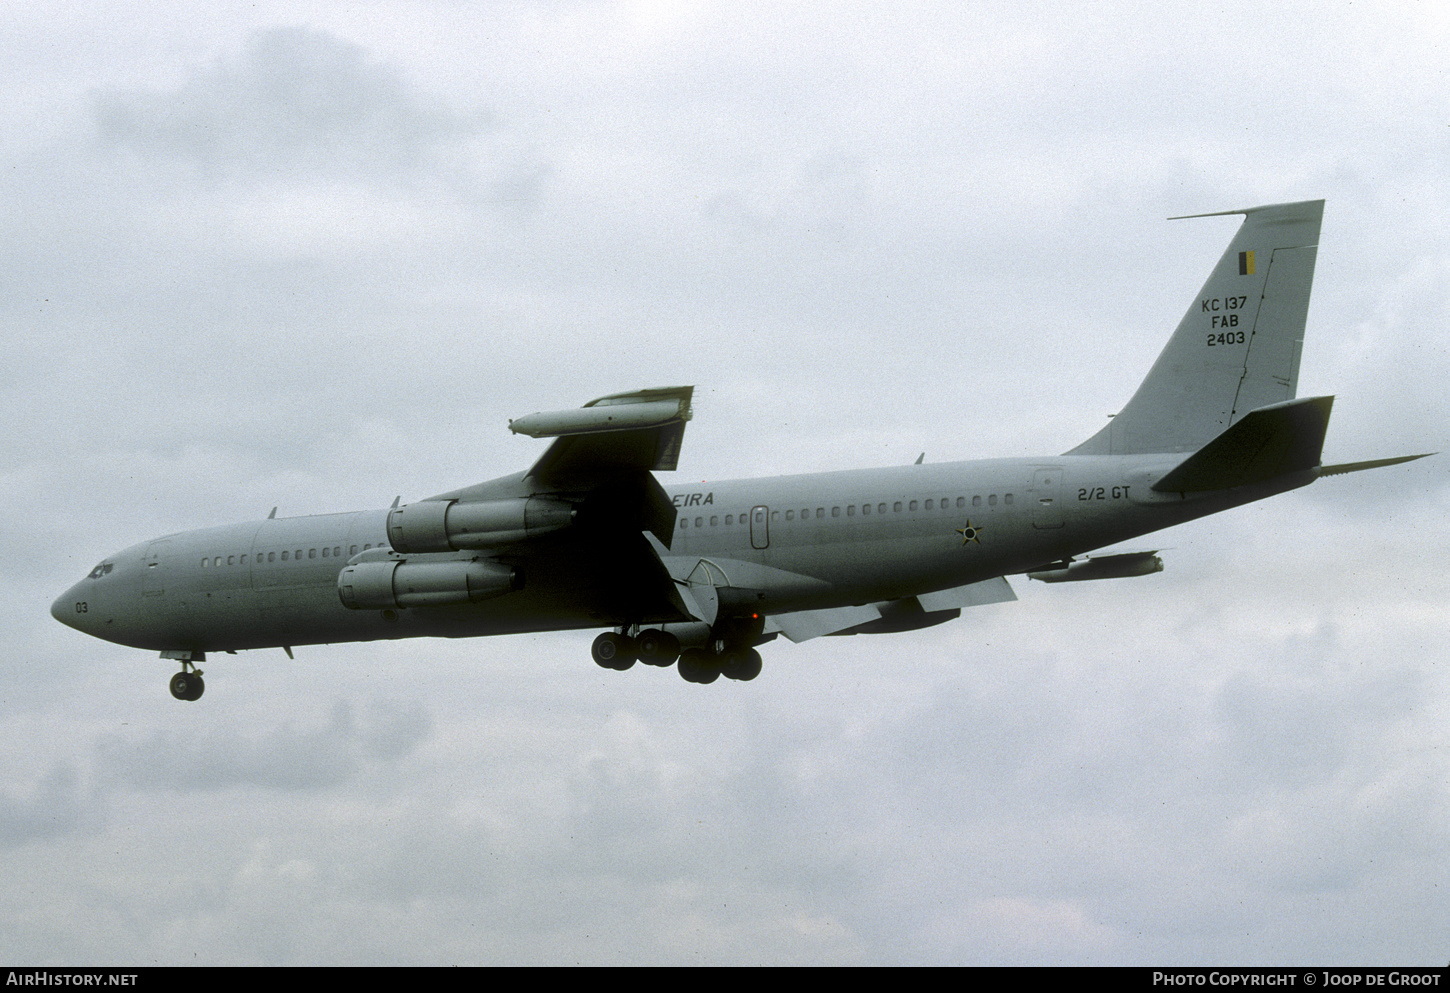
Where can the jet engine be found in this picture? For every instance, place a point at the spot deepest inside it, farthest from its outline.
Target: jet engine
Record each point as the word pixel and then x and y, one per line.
pixel 448 525
pixel 393 584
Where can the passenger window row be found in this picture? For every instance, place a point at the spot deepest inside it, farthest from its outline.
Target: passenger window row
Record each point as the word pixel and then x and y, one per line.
pixel 215 562
pixel 866 510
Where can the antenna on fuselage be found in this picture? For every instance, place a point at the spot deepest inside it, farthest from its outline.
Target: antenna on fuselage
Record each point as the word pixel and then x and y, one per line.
pixel 273 515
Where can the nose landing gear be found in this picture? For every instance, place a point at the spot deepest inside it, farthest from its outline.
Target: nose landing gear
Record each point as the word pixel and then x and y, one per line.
pixel 187 684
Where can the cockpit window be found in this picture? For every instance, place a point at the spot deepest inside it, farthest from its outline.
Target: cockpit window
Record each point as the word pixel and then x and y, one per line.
pixel 101 570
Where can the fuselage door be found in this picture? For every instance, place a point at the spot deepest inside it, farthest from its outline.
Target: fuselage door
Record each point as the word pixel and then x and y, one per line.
pixel 153 574
pixel 760 527
pixel 1047 498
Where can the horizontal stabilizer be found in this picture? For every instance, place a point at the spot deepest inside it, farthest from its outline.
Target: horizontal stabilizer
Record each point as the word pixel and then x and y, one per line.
pixel 1344 467
pixel 1262 445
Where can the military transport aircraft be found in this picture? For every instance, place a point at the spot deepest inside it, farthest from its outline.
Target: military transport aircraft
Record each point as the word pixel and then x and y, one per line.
pixel 705 573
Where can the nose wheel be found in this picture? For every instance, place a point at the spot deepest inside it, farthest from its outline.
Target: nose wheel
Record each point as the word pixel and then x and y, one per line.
pixel 187 684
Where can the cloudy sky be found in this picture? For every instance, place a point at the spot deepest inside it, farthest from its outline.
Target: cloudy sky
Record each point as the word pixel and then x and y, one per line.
pixel 316 254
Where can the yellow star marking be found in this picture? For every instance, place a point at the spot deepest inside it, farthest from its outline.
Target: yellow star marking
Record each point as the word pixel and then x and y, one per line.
pixel 969 533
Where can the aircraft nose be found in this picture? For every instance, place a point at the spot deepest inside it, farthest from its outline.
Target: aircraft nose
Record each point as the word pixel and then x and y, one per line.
pixel 68 610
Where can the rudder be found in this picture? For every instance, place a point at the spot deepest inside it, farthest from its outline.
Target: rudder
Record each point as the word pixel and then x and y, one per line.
pixel 1238 346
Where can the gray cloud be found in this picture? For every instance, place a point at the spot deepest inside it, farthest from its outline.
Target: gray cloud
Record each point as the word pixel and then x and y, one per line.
pixel 282 759
pixel 298 102
pixel 55 808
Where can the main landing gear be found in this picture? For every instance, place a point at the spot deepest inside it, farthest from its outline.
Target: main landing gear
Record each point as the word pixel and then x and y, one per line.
pixel 618 651
pixel 187 684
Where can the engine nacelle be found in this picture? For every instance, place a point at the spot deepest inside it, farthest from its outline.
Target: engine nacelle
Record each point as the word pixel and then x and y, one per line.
pixel 448 525
pixel 394 584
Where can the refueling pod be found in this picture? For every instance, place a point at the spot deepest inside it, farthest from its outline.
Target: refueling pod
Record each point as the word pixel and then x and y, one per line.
pixel 449 526
pixel 1100 567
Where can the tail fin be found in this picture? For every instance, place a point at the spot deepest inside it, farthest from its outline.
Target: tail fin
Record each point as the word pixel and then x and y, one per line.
pixel 1237 348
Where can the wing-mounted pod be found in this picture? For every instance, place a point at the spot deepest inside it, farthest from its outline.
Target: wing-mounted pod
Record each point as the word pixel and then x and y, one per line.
pixel 378 583
pixel 451 525
pixel 623 431
pixel 1122 566
pixel 617 412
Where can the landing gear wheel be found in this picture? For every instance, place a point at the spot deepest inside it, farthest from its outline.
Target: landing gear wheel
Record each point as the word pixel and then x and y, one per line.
pixel 187 686
pixel 614 651
pixel 742 664
pixel 657 647
pixel 698 666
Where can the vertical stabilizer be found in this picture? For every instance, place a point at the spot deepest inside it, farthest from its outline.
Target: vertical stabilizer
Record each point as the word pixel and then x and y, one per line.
pixel 1236 349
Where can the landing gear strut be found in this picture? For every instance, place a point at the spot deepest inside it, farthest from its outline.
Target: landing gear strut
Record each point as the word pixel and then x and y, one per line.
pixel 187 684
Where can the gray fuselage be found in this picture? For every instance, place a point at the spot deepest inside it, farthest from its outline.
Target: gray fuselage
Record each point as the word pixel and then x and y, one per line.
pixel 774 545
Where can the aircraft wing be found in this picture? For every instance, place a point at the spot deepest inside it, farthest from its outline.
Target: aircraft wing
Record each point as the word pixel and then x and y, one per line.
pixel 597 475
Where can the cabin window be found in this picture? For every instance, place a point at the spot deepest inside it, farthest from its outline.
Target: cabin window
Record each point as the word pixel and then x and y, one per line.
pixel 881 508
pixel 1007 498
pixel 835 511
pixel 324 553
pixel 977 500
pixel 911 506
pixel 790 515
pixel 992 500
pixel 896 507
pixel 351 549
pixel 217 562
pixel 699 522
pixel 203 563
pixel 961 502
pixel 684 522
pixel 231 560
pixel 865 509
pixel 928 505
pixel 851 510
pixel 820 513
pixel 714 522
pixel 284 556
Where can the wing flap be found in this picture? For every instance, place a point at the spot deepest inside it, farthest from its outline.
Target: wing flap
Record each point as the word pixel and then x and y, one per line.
pixel 906 614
